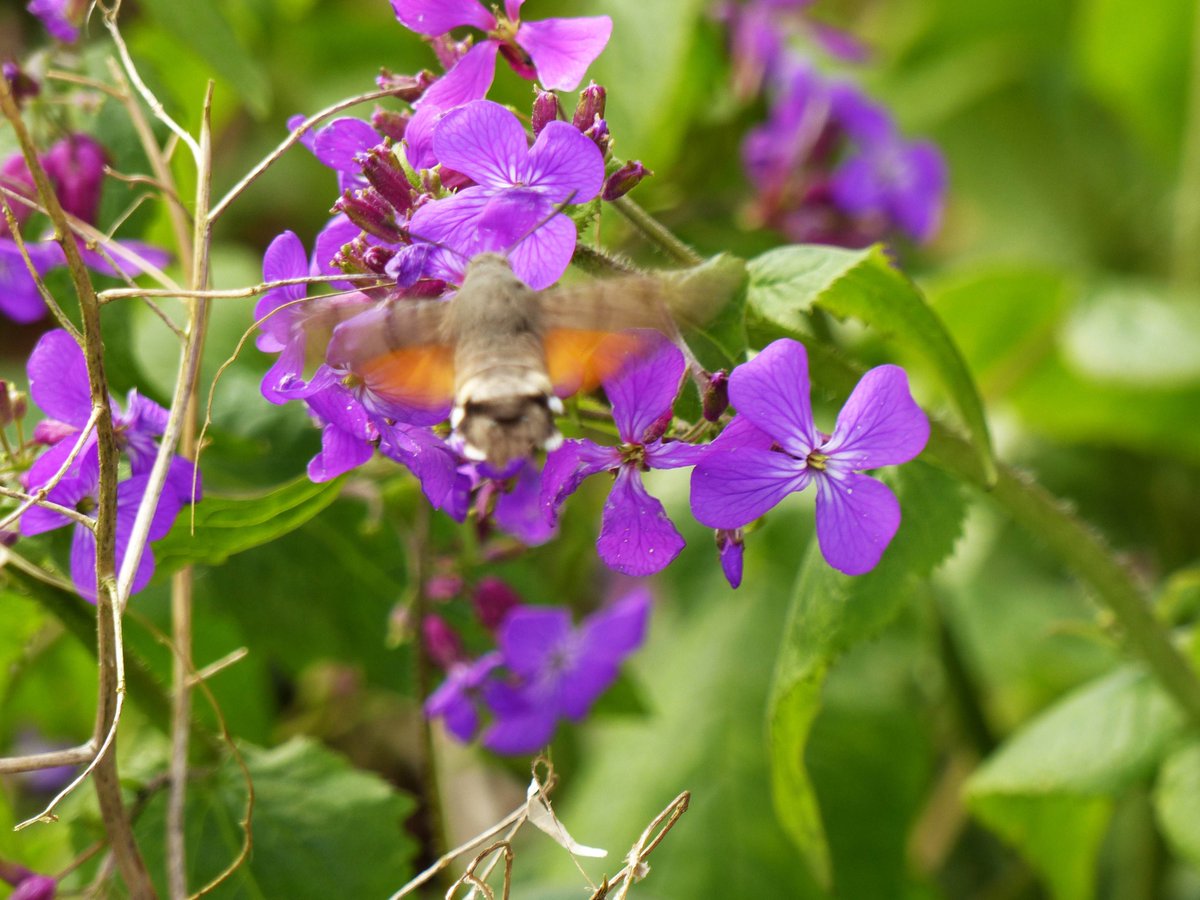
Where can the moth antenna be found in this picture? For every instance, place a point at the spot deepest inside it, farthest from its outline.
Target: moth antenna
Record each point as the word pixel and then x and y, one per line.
pixel 558 208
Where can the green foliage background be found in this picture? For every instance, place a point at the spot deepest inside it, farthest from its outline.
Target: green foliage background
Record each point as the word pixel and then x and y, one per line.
pixel 973 727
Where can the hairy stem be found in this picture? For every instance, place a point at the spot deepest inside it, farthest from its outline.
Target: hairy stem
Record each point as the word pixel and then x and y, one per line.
pixel 657 233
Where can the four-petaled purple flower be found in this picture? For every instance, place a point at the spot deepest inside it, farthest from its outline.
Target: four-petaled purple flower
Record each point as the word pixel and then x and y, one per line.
pixel 636 536
pixel 555 51
pixel 518 188
pixel 773 448
pixel 558 671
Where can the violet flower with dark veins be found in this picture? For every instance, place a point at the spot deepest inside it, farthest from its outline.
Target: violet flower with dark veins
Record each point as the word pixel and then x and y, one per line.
pixel 517 190
pixel 773 449
pixel 636 536
pixel 558 671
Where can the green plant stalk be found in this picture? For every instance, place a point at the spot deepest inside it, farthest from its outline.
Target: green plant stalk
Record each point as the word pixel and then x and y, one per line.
pixel 657 233
pixel 1185 245
pixel 1085 552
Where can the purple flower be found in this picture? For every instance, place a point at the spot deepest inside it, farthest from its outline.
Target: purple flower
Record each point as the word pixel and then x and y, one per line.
pixel 433 462
pixel 773 448
pixel 348 435
pixel 558 671
pixel 518 189
pixel 58 16
pixel 555 51
pixel 518 510
pixel 79 491
pixel 636 537
pixel 35 887
pixel 76 166
pixel 886 178
pixel 290 325
pixel 19 297
pixel 58 383
pixel 337 144
pixel 457 699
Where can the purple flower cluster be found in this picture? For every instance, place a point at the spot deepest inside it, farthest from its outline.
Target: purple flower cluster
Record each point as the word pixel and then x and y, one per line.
pixel 58 384
pixel 544 670
pixel 828 165
pixel 75 166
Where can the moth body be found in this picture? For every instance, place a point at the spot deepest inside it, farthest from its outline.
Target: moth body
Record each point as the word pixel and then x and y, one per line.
pixel 504 401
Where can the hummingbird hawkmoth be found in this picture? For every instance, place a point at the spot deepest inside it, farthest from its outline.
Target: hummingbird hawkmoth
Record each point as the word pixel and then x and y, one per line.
pixel 501 355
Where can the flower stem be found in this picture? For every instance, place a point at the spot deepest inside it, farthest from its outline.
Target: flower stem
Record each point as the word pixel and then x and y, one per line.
pixel 657 233
pixel 1085 552
pixel 1185 249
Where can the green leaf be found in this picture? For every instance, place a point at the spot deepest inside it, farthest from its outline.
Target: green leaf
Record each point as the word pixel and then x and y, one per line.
pixel 321 828
pixel 1049 789
pixel 831 612
pixel 229 525
pixel 786 283
pixel 203 28
pixel 1177 801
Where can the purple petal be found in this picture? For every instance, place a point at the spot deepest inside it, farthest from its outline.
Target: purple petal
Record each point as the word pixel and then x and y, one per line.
pixel 857 518
pixel 620 628
pixel 330 239
pixel 564 164
pixel 519 511
pixel 772 391
pixel 58 379
pixel 562 49
pixel 645 389
pixel 86 466
pixel 880 425
pixel 68 492
pixel 129 497
pixel 19 297
pixel 741 433
pixel 433 463
pixel 418 137
pixel 733 487
pixel 579 688
pixel 340 452
pixel 53 14
pixel 485 142
pixel 636 537
pixel 456 709
pixel 338 142
pixel 469 80
pixel 284 380
pixel 450 224
pixel 285 258
pixel 434 17
pixel 129 258
pixel 542 250
pixel 674 454
pixel 530 635
pixel 519 732
pixel 567 467
pixel 83 563
pixel 512 9
pixel 866 122
pixel 183 479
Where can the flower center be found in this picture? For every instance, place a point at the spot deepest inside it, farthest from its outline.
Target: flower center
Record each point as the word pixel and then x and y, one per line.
pixel 633 455
pixel 86 506
pixel 817 461
pixel 506 29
